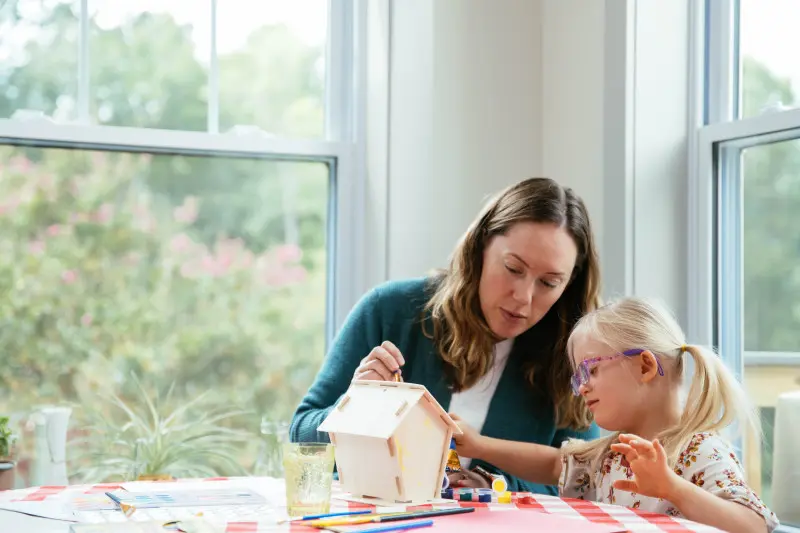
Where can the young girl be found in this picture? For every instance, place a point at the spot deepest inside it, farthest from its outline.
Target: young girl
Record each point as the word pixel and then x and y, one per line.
pixel 665 454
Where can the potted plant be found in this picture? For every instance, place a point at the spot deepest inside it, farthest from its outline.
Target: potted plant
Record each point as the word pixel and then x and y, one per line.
pixel 6 459
pixel 154 437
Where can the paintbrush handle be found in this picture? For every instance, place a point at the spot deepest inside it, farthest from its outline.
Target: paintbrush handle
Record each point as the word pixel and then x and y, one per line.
pixel 425 514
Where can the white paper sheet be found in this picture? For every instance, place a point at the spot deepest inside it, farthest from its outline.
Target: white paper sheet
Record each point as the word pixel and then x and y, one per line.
pixel 218 514
pixel 54 510
pixel 267 487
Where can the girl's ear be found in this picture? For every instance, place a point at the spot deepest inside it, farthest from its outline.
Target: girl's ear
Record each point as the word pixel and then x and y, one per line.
pixel 649 366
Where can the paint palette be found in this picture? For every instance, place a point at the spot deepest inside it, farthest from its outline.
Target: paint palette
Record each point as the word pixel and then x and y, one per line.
pixel 188 498
pixel 465 494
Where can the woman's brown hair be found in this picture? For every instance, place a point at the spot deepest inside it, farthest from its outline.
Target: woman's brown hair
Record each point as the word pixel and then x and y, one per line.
pixel 461 334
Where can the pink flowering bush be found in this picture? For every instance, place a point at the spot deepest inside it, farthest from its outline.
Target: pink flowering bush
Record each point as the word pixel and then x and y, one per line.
pixel 101 277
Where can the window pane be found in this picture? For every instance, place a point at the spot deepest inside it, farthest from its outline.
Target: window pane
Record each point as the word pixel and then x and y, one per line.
pixel 771 182
pixel 272 65
pixel 768 42
pixel 204 273
pixel 771 199
pixel 149 63
pixel 39 57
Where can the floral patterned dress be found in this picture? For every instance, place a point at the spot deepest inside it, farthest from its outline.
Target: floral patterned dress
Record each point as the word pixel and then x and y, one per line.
pixel 708 461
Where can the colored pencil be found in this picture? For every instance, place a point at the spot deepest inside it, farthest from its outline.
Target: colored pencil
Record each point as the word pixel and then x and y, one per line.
pixel 327 515
pixel 389 517
pixel 398 527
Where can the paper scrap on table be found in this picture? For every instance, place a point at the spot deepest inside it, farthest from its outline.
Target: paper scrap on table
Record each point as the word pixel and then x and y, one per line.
pixel 192 525
pixel 89 502
pixel 53 510
pixel 217 514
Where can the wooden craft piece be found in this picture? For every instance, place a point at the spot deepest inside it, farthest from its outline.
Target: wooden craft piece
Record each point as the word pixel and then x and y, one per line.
pixel 392 440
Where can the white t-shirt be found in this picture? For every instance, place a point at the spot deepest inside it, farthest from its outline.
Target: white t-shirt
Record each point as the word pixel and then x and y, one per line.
pixel 472 405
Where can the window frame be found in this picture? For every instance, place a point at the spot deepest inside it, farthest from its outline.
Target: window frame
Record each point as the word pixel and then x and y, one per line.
pixel 342 148
pixel 716 136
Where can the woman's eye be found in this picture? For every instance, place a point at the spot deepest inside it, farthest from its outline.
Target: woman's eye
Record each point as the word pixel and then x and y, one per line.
pixel 513 270
pixel 550 284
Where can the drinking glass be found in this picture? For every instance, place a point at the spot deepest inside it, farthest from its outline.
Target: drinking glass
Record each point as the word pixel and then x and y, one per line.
pixel 274 434
pixel 308 469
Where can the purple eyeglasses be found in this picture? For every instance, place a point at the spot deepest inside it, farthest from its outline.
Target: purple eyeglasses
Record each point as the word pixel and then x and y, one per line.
pixel 581 375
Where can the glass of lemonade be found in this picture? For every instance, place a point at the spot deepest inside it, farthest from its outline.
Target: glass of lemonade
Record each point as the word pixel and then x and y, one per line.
pixel 308 469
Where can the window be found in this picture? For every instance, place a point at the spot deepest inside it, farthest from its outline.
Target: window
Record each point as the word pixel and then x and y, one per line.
pixel 767 37
pixel 745 254
pixel 177 222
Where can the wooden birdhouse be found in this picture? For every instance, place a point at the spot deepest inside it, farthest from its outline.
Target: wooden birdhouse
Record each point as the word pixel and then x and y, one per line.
pixel 391 441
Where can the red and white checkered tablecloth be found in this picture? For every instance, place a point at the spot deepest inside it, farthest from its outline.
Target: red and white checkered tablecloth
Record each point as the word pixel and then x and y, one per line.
pixel 622 517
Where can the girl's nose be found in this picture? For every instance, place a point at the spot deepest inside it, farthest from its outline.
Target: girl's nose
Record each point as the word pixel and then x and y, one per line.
pixel 584 388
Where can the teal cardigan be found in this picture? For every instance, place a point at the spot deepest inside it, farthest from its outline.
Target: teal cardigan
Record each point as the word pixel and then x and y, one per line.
pixel 393 311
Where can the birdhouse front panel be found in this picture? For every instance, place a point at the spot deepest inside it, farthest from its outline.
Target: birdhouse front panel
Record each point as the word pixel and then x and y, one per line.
pixel 367 467
pixel 421 442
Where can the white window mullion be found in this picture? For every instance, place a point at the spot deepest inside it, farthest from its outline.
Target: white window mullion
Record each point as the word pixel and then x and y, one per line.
pixel 213 75
pixel 730 281
pixel 339 70
pixel 83 65
pixel 722 61
pixel 345 123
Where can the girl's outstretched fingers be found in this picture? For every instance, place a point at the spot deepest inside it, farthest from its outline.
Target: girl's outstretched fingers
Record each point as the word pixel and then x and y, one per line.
pixel 661 455
pixel 628 451
pixel 644 448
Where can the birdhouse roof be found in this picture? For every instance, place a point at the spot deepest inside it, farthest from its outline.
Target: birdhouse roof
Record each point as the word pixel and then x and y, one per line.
pixel 377 408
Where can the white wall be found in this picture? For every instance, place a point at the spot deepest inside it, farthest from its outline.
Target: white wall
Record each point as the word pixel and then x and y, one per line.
pixel 572 101
pixel 465 119
pixel 660 139
pixel 482 94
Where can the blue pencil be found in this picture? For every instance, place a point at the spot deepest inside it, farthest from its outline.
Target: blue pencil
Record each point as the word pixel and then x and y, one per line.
pixel 398 527
pixel 346 513
pixel 328 515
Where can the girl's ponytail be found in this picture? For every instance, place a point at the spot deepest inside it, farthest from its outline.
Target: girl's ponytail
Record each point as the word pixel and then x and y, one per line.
pixel 715 399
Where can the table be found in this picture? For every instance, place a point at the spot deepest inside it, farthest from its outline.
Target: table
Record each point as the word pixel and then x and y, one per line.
pixel 272 489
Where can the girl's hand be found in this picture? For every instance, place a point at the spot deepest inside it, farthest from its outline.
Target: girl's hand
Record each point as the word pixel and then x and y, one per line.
pixel 467 479
pixel 652 475
pixel 470 443
pixel 381 364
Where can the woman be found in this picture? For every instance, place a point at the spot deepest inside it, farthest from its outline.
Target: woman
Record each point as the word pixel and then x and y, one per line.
pixel 487 336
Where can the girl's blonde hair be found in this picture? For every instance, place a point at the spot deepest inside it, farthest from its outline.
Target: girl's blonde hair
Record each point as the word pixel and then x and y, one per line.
pixel 457 326
pixel 715 398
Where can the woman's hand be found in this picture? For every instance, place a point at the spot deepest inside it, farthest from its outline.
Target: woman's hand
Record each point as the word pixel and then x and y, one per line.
pixel 381 364
pixel 652 475
pixel 470 443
